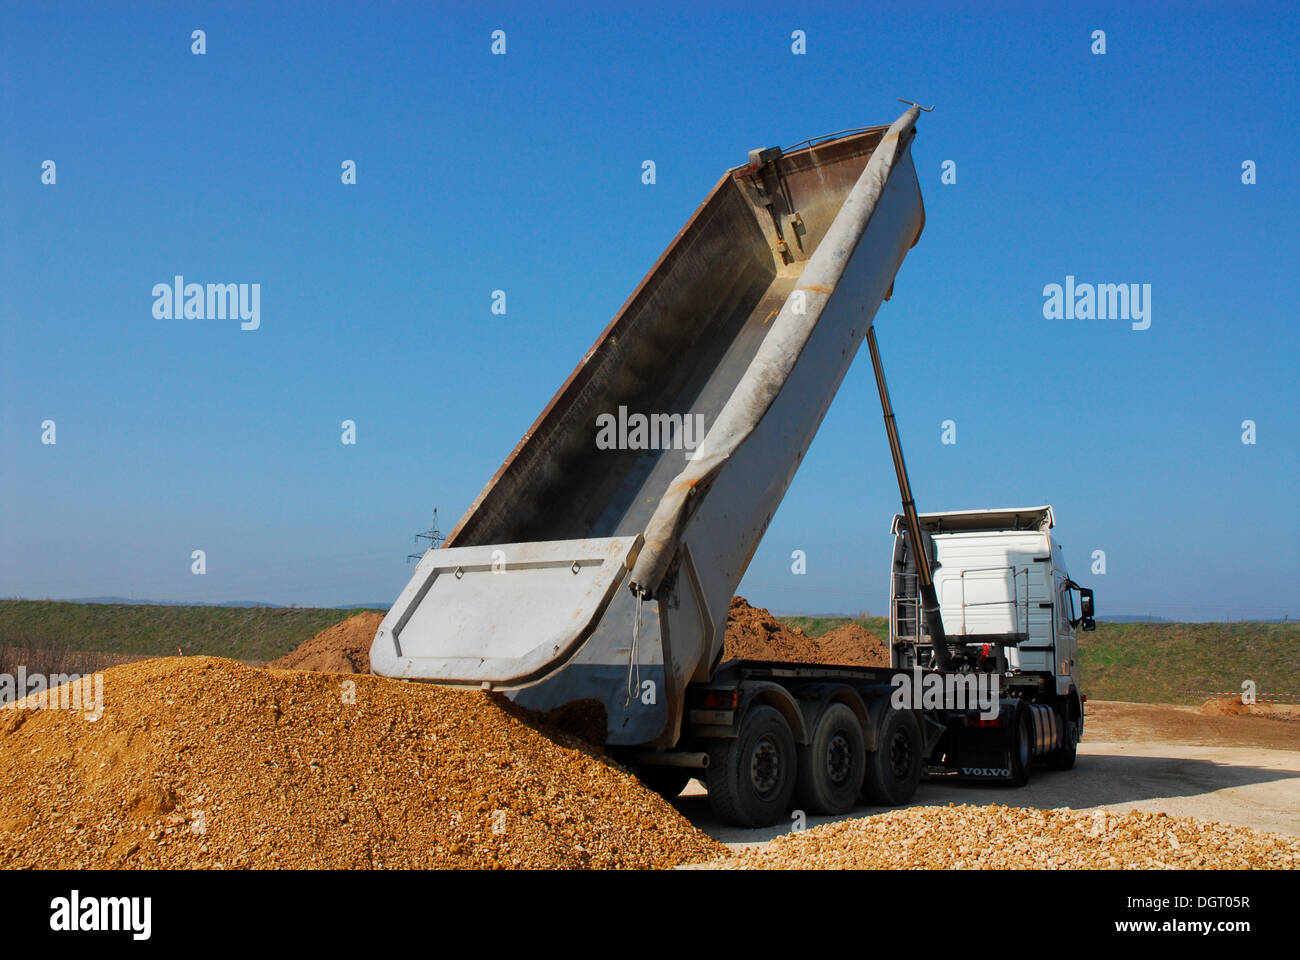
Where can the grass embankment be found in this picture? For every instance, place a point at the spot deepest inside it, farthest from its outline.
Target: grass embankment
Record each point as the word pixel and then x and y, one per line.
pixel 62 630
pixel 1161 662
pixel 1141 662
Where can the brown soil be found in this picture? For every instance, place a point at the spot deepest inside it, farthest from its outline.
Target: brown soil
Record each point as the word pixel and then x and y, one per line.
pixel 1272 727
pixel 205 762
pixel 1232 707
pixel 342 648
pixel 754 634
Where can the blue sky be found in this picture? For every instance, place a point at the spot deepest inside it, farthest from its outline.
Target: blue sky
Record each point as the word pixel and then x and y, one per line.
pixel 522 172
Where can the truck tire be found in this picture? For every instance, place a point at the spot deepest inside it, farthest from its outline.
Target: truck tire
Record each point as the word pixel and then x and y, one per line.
pixel 751 779
pixel 832 765
pixel 1062 758
pixel 668 782
pixel 1022 747
pixel 894 768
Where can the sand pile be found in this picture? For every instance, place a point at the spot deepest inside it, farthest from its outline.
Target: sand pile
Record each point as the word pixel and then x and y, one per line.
pixel 997 837
pixel 754 634
pixel 204 762
pixel 342 648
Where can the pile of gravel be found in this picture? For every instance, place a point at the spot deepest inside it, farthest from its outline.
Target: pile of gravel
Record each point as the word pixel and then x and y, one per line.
pixel 204 762
pixel 1010 838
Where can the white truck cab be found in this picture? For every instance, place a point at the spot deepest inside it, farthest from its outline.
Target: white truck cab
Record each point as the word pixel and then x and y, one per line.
pixel 1008 606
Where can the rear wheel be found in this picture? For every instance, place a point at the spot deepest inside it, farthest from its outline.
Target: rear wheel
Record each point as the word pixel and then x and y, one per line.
pixel 894 767
pixel 1022 748
pixel 1062 758
pixel 831 767
pixel 751 779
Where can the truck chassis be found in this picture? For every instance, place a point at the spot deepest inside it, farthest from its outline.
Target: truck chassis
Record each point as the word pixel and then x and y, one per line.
pixel 768 736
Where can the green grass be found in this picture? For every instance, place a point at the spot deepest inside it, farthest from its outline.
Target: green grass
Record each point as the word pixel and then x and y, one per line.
pixel 1145 662
pixel 1168 662
pixel 1161 662
pixel 816 626
pixel 240 633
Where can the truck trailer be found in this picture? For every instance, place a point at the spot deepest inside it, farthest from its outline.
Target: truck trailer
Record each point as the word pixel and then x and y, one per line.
pixel 597 566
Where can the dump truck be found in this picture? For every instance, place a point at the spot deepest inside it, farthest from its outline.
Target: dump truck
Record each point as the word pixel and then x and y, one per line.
pixel 597 566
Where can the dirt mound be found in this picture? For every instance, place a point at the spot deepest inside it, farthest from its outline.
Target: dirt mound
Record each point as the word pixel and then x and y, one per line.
pixel 999 838
pixel 342 648
pixel 204 762
pixel 754 634
pixel 1224 707
pixel 1233 707
pixel 853 644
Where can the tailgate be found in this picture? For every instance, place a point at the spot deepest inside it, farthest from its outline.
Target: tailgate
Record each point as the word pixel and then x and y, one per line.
pixel 500 615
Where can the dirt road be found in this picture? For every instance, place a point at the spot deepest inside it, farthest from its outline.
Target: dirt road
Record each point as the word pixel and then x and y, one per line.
pixel 1134 756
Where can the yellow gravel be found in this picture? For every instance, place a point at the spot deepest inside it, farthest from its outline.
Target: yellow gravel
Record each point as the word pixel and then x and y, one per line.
pixel 1002 838
pixel 204 762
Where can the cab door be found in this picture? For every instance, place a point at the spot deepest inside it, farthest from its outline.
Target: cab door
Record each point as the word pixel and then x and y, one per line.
pixel 1067 615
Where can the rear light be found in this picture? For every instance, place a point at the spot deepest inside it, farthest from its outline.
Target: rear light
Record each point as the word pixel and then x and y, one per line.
pixel 717 699
pixel 985 722
pixel 1085 698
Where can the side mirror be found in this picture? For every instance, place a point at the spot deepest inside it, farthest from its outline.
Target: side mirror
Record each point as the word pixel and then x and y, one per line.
pixel 1085 605
pixel 1089 623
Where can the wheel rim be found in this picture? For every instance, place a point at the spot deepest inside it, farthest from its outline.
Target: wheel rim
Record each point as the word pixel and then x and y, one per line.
pixel 900 756
pixel 765 767
pixel 839 759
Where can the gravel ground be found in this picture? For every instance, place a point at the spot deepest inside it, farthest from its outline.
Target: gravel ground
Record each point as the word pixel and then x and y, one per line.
pixel 203 762
pixel 997 837
pixel 1214 724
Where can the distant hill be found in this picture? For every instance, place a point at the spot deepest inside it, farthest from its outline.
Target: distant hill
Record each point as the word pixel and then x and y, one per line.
pixel 170 603
pixel 1146 618
pixel 224 603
